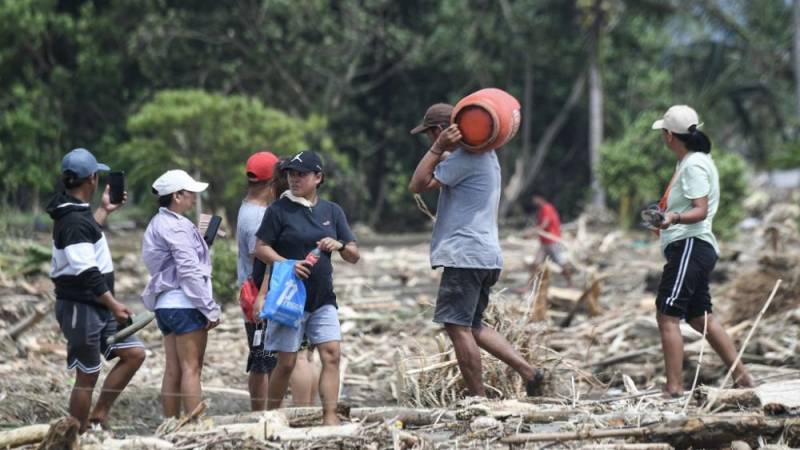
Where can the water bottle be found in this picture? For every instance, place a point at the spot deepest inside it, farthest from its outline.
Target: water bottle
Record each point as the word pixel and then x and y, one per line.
pixel 312 257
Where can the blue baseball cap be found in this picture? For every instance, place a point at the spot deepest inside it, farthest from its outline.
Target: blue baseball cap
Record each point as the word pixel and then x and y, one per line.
pixel 82 163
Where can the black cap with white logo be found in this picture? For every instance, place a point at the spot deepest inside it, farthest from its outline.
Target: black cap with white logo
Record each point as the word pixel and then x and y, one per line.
pixel 305 161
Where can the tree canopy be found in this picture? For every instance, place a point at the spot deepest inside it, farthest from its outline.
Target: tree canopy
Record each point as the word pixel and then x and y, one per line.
pixel 201 84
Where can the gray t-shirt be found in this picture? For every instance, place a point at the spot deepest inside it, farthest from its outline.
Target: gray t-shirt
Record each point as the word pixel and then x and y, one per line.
pixel 465 234
pixel 250 217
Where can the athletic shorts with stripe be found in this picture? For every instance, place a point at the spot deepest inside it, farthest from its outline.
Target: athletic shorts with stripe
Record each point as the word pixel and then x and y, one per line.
pixel 86 328
pixel 683 291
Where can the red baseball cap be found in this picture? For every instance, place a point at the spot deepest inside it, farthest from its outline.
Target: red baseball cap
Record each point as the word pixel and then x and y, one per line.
pixel 261 165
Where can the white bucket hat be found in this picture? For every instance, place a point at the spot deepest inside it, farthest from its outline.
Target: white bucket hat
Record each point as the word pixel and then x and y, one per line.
pixel 177 180
pixel 678 119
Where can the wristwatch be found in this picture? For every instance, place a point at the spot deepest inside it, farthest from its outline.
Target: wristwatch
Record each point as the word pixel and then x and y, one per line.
pixel 343 245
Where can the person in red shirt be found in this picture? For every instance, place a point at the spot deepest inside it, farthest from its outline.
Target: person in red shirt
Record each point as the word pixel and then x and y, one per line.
pixel 548 227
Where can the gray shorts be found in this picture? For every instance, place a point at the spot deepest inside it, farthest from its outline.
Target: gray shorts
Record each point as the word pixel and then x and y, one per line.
pixel 86 329
pixel 319 327
pixel 555 251
pixel 464 295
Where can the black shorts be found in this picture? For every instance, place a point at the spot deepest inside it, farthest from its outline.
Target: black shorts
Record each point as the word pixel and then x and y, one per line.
pixel 683 291
pixel 464 295
pixel 259 360
pixel 86 328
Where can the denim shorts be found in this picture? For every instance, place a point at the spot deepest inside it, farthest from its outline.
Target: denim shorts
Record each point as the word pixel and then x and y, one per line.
pixel 319 327
pixel 179 320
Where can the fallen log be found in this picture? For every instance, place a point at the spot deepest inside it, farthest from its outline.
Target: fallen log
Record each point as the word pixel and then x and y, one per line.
pixel 779 396
pixel 131 443
pixel 696 432
pixel 581 435
pixel 408 416
pixel 259 425
pixel 628 447
pixel 15 331
pixel 297 416
pixel 26 435
pixel 315 433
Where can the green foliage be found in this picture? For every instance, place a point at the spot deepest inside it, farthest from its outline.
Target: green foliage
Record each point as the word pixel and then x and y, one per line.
pixel 733 190
pixel 210 136
pixel 636 168
pixel 24 257
pixel 786 156
pixel 223 279
pixel 360 74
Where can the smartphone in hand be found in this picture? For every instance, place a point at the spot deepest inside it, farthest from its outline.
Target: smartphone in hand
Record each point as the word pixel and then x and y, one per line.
pixel 116 181
pixel 211 231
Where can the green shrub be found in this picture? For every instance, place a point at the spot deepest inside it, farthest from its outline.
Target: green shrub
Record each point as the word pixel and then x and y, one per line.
pixel 223 281
pixel 211 135
pixel 636 168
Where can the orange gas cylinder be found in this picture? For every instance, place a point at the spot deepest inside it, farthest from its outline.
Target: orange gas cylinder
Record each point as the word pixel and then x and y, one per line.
pixel 487 118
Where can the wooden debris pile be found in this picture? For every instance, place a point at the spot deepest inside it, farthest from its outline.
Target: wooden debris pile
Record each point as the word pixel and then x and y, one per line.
pixel 643 420
pixel 598 340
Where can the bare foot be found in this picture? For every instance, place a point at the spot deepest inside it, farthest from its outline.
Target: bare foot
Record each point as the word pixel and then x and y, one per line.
pixel 745 381
pixel 671 395
pixel 330 420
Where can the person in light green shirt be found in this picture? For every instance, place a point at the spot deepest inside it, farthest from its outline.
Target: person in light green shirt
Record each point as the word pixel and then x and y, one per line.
pixel 690 248
pixel 697 180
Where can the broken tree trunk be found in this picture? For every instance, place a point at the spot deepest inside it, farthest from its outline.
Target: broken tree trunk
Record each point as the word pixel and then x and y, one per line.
pixel 590 298
pixel 539 312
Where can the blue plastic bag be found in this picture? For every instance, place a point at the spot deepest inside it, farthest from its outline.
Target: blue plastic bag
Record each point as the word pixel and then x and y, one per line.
pixel 286 297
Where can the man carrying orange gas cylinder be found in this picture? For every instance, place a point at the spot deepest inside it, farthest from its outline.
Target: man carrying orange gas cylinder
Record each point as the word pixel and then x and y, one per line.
pixel 462 164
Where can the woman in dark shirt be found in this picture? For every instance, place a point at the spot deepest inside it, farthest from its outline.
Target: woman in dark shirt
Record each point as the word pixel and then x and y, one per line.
pixel 294 226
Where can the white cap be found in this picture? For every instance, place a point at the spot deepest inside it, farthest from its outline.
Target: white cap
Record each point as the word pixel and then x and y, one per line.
pixel 678 119
pixel 177 180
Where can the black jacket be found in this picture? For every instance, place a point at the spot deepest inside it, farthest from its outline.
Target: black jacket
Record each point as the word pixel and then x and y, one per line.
pixel 82 268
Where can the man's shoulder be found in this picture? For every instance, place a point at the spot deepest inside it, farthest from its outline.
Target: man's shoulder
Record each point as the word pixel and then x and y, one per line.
pixel 250 212
pixel 81 223
pixel 329 205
